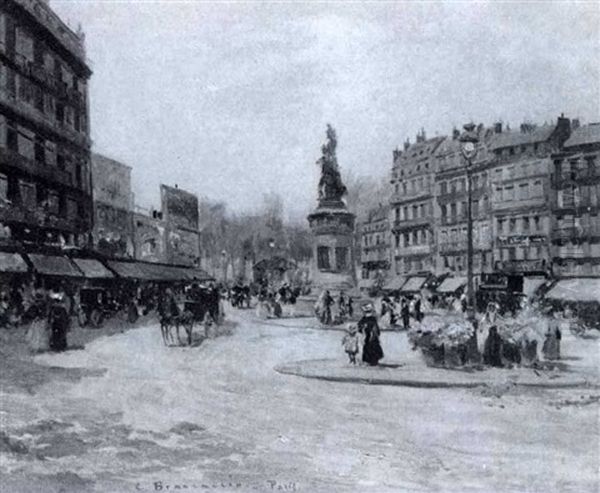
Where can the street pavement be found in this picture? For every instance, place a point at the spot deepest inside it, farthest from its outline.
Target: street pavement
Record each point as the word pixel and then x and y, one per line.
pixel 218 417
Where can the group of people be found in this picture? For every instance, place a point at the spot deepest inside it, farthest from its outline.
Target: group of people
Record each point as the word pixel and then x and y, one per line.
pixel 325 304
pixel 403 309
pixel 364 338
pixel 49 322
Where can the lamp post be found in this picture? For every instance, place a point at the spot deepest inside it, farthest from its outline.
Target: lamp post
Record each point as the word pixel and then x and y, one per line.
pixel 468 147
pixel 224 263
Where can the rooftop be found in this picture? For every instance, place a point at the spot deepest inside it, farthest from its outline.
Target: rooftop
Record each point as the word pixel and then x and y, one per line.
pixel 526 135
pixel 587 134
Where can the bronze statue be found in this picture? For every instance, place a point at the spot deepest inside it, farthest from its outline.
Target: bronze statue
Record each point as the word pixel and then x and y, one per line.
pixel 331 187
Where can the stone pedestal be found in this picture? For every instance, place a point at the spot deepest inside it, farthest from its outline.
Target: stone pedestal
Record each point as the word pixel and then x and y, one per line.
pixel 333 264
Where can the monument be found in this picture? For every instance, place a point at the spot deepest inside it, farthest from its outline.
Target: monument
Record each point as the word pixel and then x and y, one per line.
pixel 332 226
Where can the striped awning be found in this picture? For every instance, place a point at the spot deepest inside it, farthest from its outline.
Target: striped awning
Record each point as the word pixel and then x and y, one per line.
pixel 12 262
pixel 451 284
pixel 579 289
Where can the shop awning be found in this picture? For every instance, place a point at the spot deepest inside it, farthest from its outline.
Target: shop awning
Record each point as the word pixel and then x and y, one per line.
pixel 129 270
pixel 395 284
pixel 12 262
pixel 532 284
pixel 93 269
pixel 579 289
pixel 52 265
pixel 414 284
pixel 451 284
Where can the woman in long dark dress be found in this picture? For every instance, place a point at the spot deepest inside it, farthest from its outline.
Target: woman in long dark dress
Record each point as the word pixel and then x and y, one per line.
pixel 368 326
pixel 58 321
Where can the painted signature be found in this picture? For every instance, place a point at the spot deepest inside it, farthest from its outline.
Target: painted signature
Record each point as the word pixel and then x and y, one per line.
pixel 267 485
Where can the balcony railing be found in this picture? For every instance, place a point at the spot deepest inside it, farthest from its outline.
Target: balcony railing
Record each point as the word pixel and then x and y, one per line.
pixel 409 223
pixel 567 233
pixel 413 250
pixel 579 176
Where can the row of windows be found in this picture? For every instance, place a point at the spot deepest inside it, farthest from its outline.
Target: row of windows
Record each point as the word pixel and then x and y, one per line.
pixel 455 210
pixel 408 265
pixel 579 196
pixel 33 197
pixel 520 170
pixel 415 238
pixel 456 185
pixel 16 86
pixel 523 253
pixel 535 148
pixel 414 211
pixel 523 224
pixel 414 186
pixel 519 191
pixel 481 235
pixel 458 263
pixel 574 167
pixel 44 152
pixel 378 239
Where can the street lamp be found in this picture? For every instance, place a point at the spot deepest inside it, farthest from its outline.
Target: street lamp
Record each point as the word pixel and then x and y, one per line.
pixel 224 263
pixel 468 147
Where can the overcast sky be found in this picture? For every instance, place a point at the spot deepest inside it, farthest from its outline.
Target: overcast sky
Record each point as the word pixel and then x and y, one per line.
pixel 228 100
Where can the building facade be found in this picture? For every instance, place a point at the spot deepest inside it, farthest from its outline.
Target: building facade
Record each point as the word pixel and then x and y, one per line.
pixel 451 206
pixel 521 197
pixel 575 200
pixel 149 236
pixel 45 166
pixel 113 203
pixel 375 258
pixel 181 215
pixel 412 207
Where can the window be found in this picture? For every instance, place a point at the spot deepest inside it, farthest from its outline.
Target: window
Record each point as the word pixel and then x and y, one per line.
pixel 464 208
pixel 475 182
pixel 443 188
pixel 453 186
pixel 512 253
pixel 23 45
pixel 40 150
pixel 475 206
pixel 397 240
pixel 397 213
pixel 341 258
pixel 423 213
pixel 50 153
pixel 3 188
pixel 453 210
pixel 415 237
pixel 500 224
pixel 537 223
pixel 28 194
pixel 512 224
pixel 406 240
pixel 526 224
pixel 524 191
pixel 509 193
pixel 444 210
pixel 415 212
pixel 25 143
pixel 406 215
pixel 537 189
pixel 323 258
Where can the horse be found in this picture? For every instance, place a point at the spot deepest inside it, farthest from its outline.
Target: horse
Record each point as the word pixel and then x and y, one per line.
pixel 168 322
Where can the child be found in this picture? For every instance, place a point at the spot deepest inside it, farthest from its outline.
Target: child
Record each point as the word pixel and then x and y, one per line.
pixel 351 343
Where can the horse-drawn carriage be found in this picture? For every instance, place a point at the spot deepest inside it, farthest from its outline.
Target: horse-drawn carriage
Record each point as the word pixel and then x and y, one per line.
pixel 184 312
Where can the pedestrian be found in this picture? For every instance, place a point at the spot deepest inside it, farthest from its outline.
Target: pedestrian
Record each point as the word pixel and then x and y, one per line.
pixel 368 326
pixel 327 302
pixel 350 307
pixel 418 313
pixel 342 305
pixel 551 346
pixel 38 334
pixel 492 353
pixel 58 322
pixel 351 343
pixel 405 314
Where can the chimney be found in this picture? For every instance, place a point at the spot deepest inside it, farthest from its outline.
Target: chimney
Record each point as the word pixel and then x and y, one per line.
pixel 421 136
pixel 498 127
pixel 563 129
pixel 406 144
pixel 575 124
pixel 455 133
